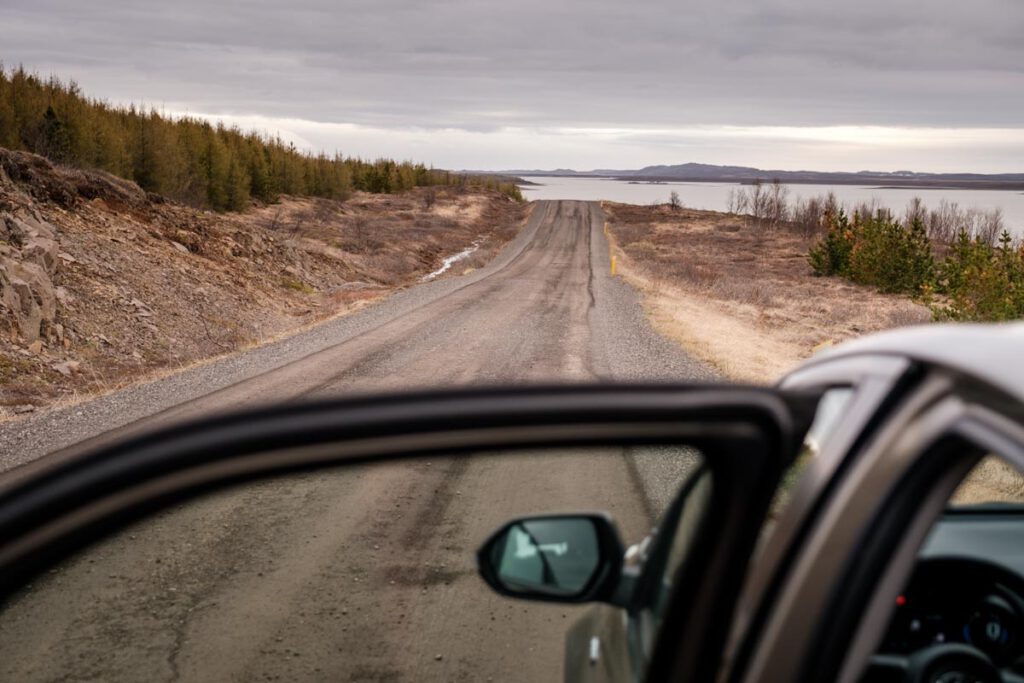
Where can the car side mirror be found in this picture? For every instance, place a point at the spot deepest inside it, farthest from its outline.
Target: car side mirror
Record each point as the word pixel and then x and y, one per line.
pixel 557 558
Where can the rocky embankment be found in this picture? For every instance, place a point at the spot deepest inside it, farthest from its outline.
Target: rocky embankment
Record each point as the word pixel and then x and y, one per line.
pixel 102 284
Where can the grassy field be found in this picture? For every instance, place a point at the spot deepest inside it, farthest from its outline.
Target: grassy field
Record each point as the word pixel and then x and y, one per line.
pixel 739 296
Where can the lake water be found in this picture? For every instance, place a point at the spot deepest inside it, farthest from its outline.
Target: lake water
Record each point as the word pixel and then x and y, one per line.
pixel 715 196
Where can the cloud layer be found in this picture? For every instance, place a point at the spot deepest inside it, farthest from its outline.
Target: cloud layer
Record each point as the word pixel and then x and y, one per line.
pixel 646 82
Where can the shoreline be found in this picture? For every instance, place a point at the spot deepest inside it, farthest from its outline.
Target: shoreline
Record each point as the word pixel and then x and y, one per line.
pixel 873 182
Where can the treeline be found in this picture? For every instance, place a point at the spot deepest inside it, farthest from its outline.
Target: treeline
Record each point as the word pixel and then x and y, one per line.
pixel 189 159
pixel 769 205
pixel 970 278
pixel 962 263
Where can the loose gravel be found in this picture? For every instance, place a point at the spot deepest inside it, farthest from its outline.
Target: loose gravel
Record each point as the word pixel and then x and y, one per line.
pixel 623 347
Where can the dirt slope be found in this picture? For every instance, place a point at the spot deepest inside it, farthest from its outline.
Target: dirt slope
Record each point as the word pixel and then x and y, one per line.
pixel 102 284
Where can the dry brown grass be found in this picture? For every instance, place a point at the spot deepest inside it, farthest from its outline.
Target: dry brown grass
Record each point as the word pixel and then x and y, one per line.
pixel 739 296
pixel 992 480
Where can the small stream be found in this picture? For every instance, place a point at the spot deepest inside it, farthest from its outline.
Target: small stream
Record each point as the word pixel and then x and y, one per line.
pixel 449 260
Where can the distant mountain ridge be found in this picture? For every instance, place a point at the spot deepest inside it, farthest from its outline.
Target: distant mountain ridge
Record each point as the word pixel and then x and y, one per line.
pixel 710 172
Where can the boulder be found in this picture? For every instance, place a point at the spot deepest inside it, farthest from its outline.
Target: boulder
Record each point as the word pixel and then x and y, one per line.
pixel 18 228
pixel 26 291
pixel 43 251
pixel 66 368
pixel 29 259
pixel 33 226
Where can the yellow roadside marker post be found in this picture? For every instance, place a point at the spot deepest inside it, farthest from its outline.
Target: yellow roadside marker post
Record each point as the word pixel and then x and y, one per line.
pixel 611 256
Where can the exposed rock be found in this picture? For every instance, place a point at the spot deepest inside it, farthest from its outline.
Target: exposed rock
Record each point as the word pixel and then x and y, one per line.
pixel 26 291
pixel 66 368
pixel 43 251
pixel 28 262
pixel 24 225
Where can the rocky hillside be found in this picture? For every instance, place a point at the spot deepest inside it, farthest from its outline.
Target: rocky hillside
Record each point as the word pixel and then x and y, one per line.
pixel 102 284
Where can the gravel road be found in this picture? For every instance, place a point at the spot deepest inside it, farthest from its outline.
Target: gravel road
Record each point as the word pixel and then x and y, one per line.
pixel 361 574
pixel 598 330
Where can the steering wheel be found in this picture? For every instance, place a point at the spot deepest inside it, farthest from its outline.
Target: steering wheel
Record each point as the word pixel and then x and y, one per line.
pixel 944 663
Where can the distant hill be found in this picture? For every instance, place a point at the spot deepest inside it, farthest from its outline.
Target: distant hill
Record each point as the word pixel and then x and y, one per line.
pixel 694 172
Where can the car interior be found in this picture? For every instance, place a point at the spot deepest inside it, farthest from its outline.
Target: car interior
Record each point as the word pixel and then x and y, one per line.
pixel 965 596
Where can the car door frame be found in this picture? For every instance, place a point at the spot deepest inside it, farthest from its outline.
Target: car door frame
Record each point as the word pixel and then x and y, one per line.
pixel 878 383
pixel 833 605
pixel 753 433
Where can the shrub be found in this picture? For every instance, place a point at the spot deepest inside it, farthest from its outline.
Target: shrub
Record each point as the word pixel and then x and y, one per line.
pixel 891 257
pixel 297 285
pixel 982 282
pixel 831 256
pixel 981 279
pixel 876 250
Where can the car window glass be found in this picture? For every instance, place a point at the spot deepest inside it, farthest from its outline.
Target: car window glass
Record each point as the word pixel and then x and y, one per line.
pixel 356 573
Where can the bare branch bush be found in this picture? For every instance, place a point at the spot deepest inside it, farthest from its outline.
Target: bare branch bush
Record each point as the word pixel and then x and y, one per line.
pixel 942 222
pixel 742 201
pixel 808 215
pixel 991 226
pixel 949 220
pixel 916 211
pixel 776 210
pixel 429 198
pixel 766 205
pixel 674 201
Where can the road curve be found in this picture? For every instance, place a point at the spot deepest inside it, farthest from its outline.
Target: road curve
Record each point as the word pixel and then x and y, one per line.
pixel 362 573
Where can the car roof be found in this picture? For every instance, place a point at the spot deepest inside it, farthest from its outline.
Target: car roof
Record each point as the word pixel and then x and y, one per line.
pixel 992 353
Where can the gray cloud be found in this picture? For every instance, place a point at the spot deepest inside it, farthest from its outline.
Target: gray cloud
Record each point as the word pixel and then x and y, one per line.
pixel 484 65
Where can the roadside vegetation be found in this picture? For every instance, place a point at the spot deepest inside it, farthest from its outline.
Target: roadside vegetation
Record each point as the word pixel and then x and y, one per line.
pixel 962 263
pixel 189 159
pixel 973 279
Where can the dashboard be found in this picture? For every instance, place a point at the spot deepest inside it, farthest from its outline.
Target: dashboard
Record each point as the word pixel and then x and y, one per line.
pixel 967 588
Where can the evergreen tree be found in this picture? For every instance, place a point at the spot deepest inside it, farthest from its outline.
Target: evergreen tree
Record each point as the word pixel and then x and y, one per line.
pixel 188 159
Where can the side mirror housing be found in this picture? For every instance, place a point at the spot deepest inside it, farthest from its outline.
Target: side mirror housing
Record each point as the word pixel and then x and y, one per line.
pixel 556 558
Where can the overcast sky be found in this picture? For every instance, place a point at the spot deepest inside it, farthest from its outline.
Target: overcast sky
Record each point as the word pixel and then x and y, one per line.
pixel 934 85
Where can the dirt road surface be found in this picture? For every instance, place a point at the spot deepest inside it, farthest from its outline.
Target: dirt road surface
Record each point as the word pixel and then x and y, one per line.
pixel 357 574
